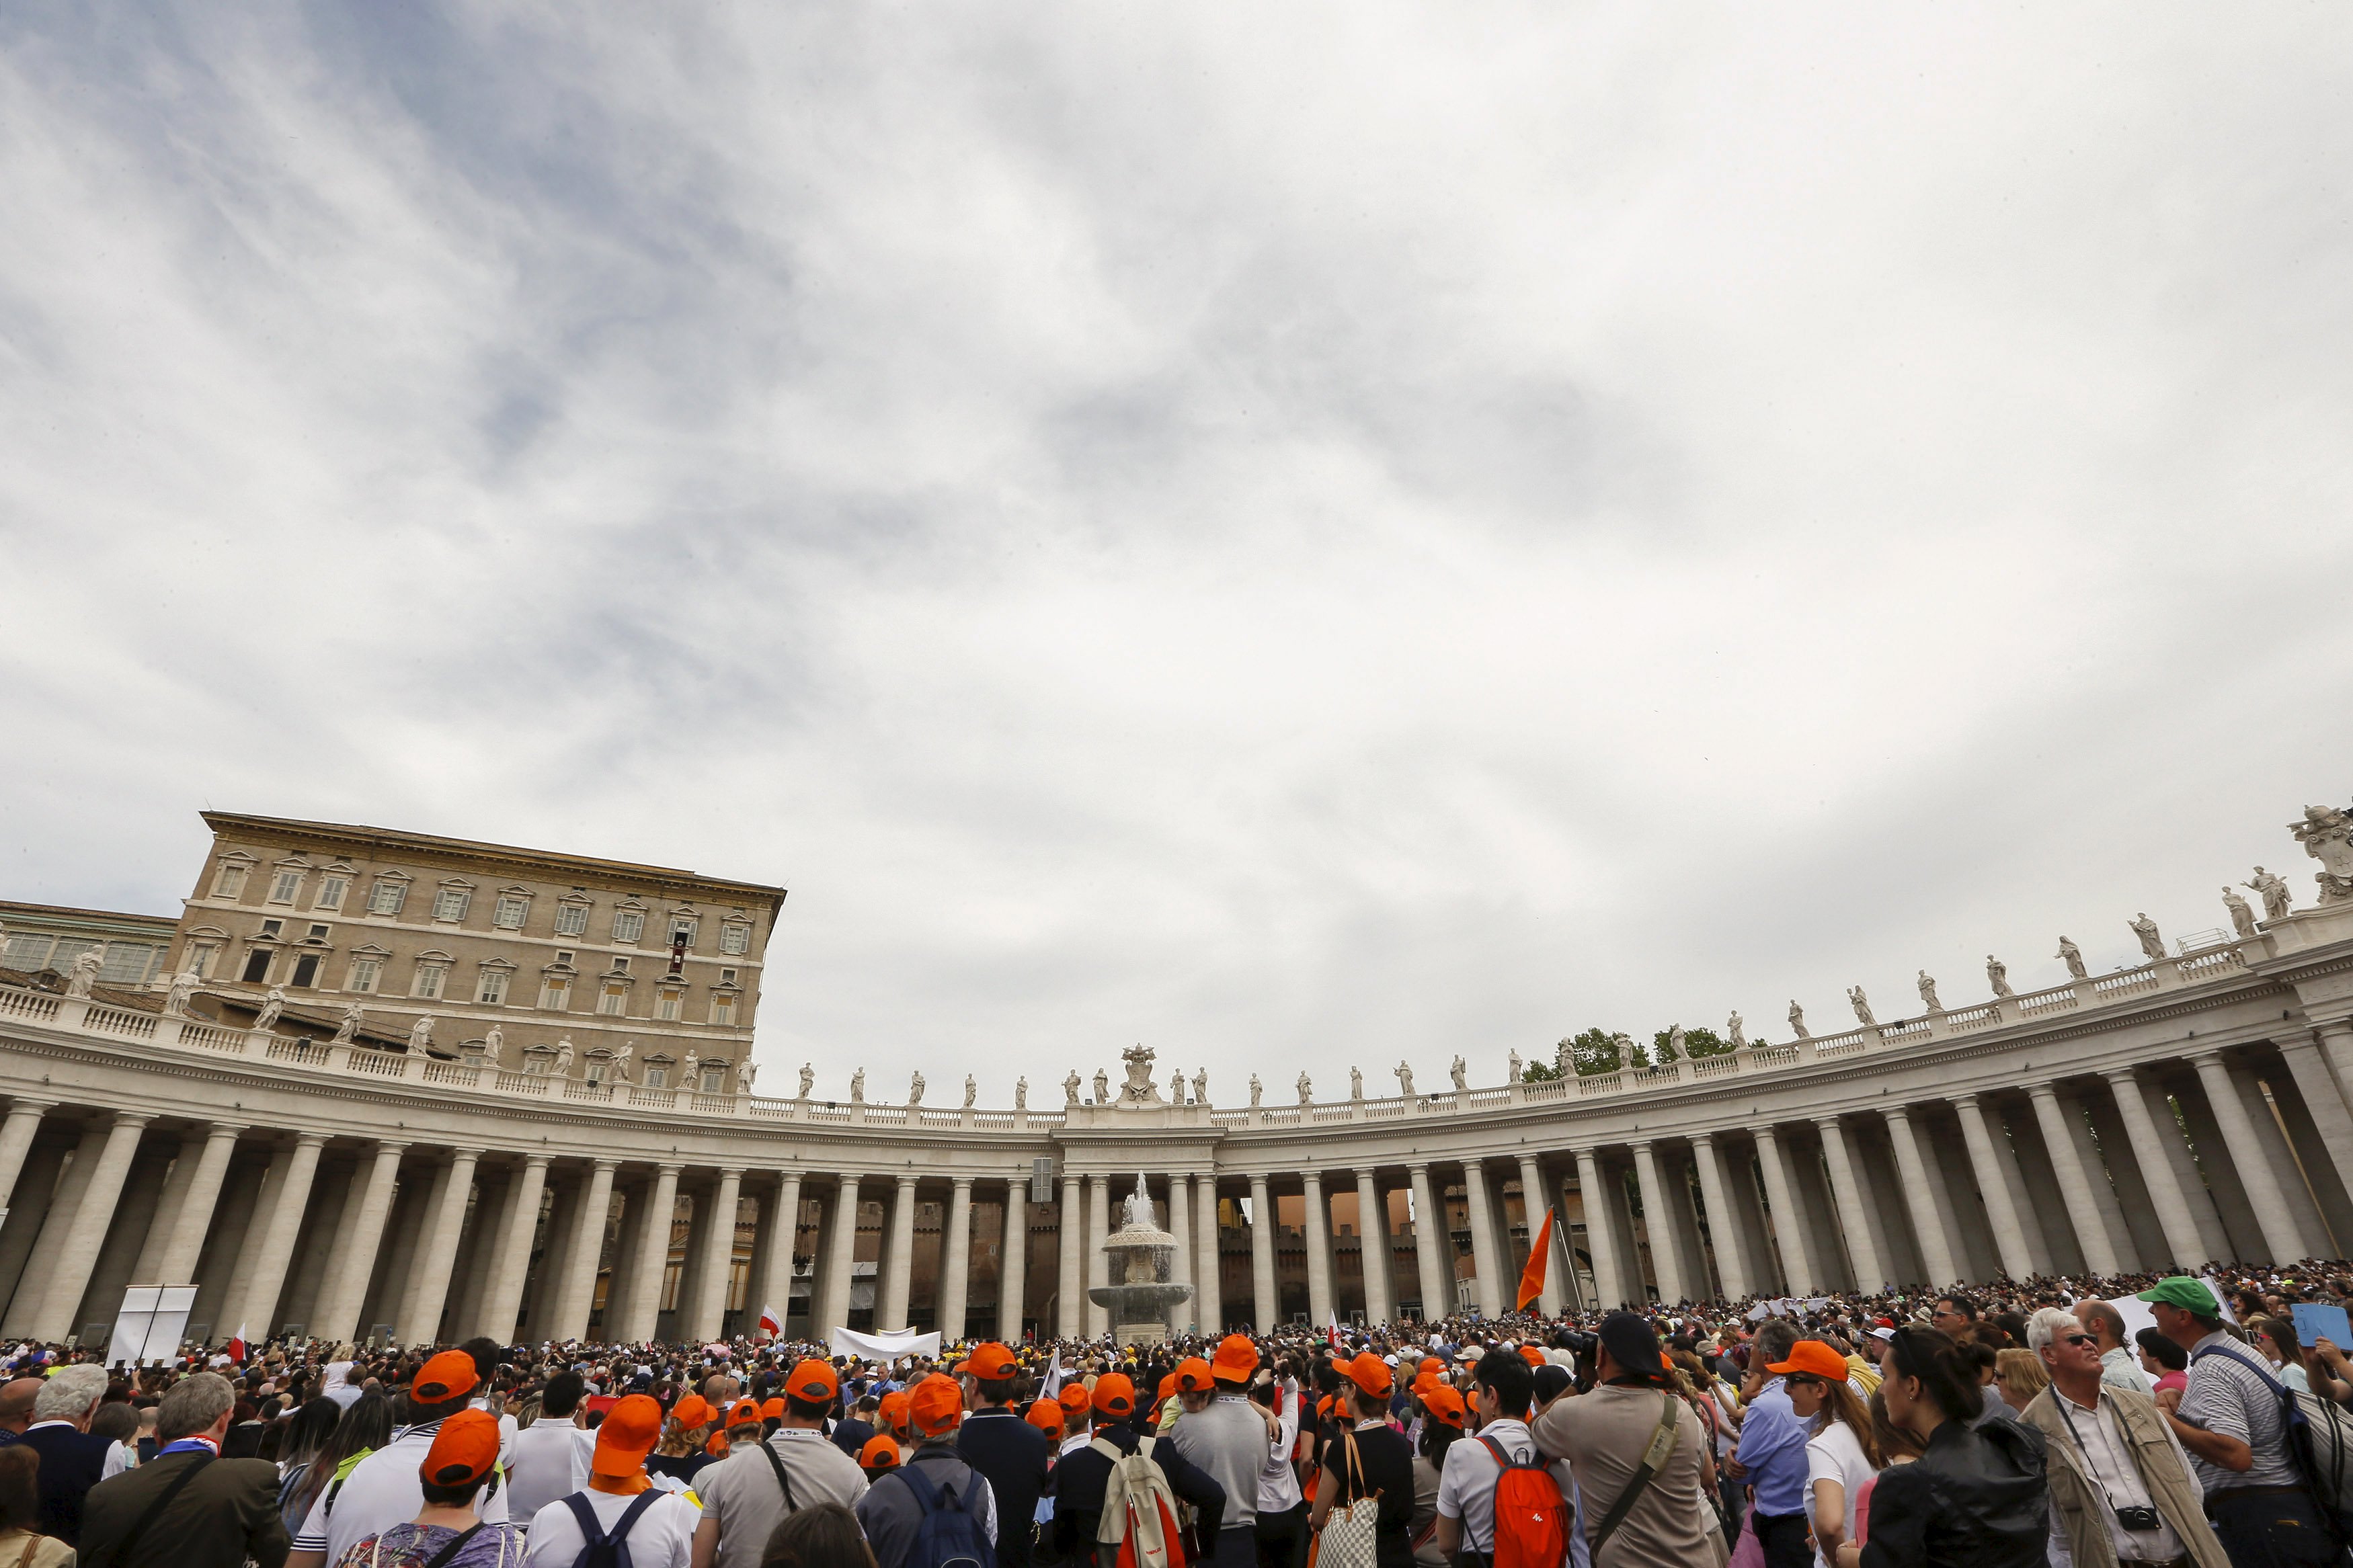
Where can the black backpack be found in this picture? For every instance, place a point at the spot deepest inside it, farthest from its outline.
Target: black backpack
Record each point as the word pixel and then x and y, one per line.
pixel 607 1551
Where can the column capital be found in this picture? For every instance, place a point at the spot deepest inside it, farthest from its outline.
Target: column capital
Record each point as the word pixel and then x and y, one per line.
pixel 2127 1074
pixel 2324 1027
pixel 1640 1145
pixel 725 1174
pixel 1703 1140
pixel 1418 1167
pixel 2047 1089
pixel 1313 1179
pixel 668 1168
pixel 606 1162
pixel 1896 1112
pixel 536 1161
pixel 35 1106
pixel 961 1183
pixel 850 1178
pixel 306 1141
pixel 1827 1124
pixel 2199 1058
pixel 906 1180
pixel 226 1129
pixel 1965 1101
pixel 391 1146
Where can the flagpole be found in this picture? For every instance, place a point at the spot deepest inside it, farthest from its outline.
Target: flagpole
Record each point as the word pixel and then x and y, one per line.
pixel 1567 1258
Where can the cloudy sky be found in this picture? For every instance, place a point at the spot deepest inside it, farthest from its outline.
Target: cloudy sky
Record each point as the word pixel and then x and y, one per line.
pixel 1299 538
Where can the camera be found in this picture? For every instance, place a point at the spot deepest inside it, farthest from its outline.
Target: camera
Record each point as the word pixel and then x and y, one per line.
pixel 2138 1519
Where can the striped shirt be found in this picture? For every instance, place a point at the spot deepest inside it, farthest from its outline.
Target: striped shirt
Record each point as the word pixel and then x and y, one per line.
pixel 2229 1394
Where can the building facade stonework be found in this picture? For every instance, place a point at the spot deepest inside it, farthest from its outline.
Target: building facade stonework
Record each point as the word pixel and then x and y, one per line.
pixel 2195 1107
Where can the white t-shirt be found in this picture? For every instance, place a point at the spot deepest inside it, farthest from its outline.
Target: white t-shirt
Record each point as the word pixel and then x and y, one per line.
pixel 382 1491
pixel 551 1460
pixel 1834 1455
pixel 663 1536
pixel 1466 1487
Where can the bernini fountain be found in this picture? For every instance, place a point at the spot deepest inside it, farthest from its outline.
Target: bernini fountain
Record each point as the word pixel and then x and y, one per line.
pixel 1140 1259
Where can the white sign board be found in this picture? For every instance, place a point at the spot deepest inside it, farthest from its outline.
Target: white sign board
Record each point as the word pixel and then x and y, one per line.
pixel 883 1347
pixel 150 1323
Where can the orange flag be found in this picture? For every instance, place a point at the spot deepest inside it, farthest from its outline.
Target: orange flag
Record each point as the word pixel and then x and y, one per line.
pixel 1532 1278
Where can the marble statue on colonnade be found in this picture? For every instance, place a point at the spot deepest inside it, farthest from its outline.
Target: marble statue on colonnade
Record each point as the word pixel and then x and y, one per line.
pixel 2151 943
pixel 687 1068
pixel 1355 1083
pixel 1103 1086
pixel 971 1090
pixel 1928 993
pixel 86 965
pixel 1306 1090
pixel 175 1001
pixel 1513 1066
pixel 2242 917
pixel 1176 1086
pixel 1676 1050
pixel 1138 1089
pixel 348 1030
pixel 564 1057
pixel 2326 835
pixel 808 1078
pixel 1405 1079
pixel 1862 1005
pixel 744 1076
pixel 1798 1020
pixel 1738 1026
pixel 1997 974
pixel 420 1035
pixel 858 1087
pixel 621 1064
pixel 1070 1088
pixel 2274 889
pixel 1257 1090
pixel 495 1043
pixel 915 1090
pixel 1458 1070
pixel 1201 1086
pixel 1021 1093
pixel 2074 957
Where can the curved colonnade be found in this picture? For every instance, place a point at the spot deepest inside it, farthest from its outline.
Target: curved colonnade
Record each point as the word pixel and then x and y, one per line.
pixel 2193 1108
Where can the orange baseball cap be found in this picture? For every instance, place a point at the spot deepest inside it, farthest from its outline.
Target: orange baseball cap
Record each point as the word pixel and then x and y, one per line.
pixel 813 1381
pixel 935 1405
pixel 1168 1386
pixel 880 1453
pixel 1192 1376
pixel 1237 1359
pixel 464 1450
pixel 774 1410
pixel 630 1430
pixel 1075 1400
pixel 744 1412
pixel 1370 1373
pixel 893 1408
pixel 990 1363
pixel 1115 1395
pixel 1532 1356
pixel 692 1411
pixel 1444 1405
pixel 1814 1359
pixel 1047 1416
pixel 444 1378
pixel 1431 1366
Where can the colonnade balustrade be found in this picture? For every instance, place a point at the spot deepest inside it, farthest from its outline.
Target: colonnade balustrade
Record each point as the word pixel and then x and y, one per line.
pixel 2199 1111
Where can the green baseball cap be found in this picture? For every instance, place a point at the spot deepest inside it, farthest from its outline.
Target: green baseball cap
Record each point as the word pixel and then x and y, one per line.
pixel 2189 1295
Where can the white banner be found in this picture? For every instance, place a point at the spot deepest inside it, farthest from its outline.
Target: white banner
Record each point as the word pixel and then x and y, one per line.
pixel 149 1323
pixel 883 1347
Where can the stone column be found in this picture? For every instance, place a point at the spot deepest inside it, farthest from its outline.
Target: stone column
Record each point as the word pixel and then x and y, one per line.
pixel 1600 1232
pixel 576 1297
pixel 1209 1304
pixel 652 1257
pixel 1373 1248
pixel 2008 1238
pixel 338 1313
pixel 1489 1287
pixel 1919 1201
pixel 2318 1084
pixel 718 1259
pixel 1432 1247
pixel 956 1261
pixel 1071 1289
pixel 840 1255
pixel 1788 1219
pixel 183 1242
pixel 1098 1319
pixel 1852 1219
pixel 2165 1192
pixel 278 1236
pixel 2273 1215
pixel 1013 1262
pixel 774 1285
pixel 1263 1304
pixel 163 1223
pixel 2099 1250
pixel 429 1293
pixel 509 1258
pixel 17 1139
pixel 89 1223
pixel 1656 1220
pixel 1723 1223
pixel 1180 1225
pixel 1317 1229
pixel 1533 1203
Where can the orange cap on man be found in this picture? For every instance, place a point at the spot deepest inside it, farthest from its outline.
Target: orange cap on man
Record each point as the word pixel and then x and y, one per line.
pixel 631 1429
pixel 935 1405
pixel 1237 1358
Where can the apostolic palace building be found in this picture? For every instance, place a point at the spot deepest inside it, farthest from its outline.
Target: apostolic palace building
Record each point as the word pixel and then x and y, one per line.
pixel 371 1082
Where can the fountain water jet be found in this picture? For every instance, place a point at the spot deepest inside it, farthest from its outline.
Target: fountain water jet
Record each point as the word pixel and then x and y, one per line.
pixel 1139 1258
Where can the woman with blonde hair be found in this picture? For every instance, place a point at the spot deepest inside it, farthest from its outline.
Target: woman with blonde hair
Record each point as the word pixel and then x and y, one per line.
pixel 2020 1374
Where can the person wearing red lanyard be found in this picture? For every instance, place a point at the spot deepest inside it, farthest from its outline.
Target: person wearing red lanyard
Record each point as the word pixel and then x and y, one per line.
pixel 213 1512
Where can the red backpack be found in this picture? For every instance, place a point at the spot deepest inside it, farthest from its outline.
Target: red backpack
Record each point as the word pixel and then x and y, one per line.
pixel 1530 1521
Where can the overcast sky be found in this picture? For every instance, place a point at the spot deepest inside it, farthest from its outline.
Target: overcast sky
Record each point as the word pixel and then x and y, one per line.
pixel 1298 536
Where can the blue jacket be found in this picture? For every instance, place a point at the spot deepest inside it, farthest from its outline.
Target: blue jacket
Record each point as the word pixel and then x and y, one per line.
pixel 1772 1449
pixel 72 1462
pixel 1012 1454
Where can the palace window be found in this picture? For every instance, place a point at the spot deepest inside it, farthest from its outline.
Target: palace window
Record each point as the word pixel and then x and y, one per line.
pixel 331 891
pixel 657 1077
pixel 229 882
pixel 536 1063
pixel 429 978
pixel 306 972
pixel 388 896
pixel 200 958
pixel 555 994
pixel 613 1001
pixel 571 920
pixel 666 1006
pixel 620 965
pixel 683 926
pixel 271 928
pixel 594 1071
pixel 491 990
pixel 364 975
pixel 734 937
pixel 512 907
pixel 283 891
pixel 127 964
pixel 450 903
pixel 714 1080
pixel 628 924
pixel 257 966
pixel 723 1011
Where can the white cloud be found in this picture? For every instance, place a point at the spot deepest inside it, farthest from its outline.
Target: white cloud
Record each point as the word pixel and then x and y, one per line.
pixel 1301 539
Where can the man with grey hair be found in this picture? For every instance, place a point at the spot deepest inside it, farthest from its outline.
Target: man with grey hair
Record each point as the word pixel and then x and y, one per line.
pixel 2107 1325
pixel 2122 1489
pixel 215 1512
pixel 72 1461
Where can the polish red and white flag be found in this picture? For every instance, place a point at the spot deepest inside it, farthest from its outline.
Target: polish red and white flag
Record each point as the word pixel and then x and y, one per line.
pixel 237 1345
pixel 770 1324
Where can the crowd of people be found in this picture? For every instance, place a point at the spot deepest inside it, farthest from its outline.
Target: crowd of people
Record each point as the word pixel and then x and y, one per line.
pixel 2025 1423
